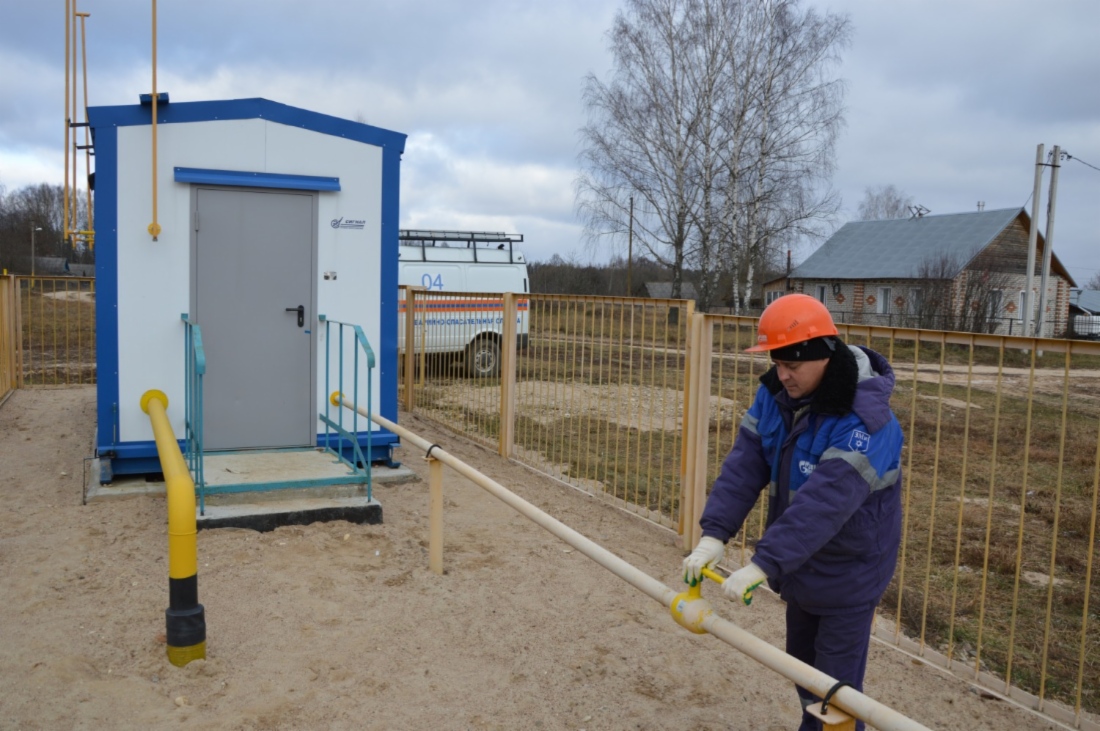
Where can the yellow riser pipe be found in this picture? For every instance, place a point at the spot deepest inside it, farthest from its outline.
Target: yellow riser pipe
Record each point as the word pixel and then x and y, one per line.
pixel 848 699
pixel 185 617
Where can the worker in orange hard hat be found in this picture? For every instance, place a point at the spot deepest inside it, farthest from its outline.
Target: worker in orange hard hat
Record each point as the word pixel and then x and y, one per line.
pixel 820 435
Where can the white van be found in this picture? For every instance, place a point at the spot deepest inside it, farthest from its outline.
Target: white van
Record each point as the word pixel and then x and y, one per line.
pixel 456 262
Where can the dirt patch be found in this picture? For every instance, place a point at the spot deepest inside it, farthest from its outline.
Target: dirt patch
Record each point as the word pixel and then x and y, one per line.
pixel 342 626
pixel 71 296
pixel 641 407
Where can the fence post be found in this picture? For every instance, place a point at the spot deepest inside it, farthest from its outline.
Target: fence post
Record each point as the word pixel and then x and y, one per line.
pixel 685 498
pixel 508 352
pixel 7 337
pixel 704 343
pixel 694 444
pixel 19 331
pixel 686 422
pixel 410 339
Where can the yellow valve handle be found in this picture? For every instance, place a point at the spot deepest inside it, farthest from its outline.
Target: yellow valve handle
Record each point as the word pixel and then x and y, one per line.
pixel 689 608
pixel 714 576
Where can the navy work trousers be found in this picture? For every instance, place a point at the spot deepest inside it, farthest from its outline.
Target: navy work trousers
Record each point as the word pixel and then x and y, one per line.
pixel 835 644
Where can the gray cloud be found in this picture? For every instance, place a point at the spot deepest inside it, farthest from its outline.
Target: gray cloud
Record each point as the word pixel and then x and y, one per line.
pixel 947 99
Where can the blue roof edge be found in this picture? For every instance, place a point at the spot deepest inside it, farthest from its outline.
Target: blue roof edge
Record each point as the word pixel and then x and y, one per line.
pixel 130 115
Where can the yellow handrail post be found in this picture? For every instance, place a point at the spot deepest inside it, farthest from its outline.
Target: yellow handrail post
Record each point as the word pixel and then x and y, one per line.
pixel 435 515
pixel 185 617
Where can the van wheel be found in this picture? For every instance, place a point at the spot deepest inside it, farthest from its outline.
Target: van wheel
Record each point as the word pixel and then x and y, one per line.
pixel 483 358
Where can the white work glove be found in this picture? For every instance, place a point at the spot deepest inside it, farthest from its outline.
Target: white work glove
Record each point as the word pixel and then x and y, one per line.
pixel 709 552
pixel 740 585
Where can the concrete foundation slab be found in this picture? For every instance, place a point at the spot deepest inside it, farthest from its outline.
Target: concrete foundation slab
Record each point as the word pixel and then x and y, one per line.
pixel 312 496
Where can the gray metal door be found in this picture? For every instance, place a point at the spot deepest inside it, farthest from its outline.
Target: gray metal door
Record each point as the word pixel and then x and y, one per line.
pixel 252 267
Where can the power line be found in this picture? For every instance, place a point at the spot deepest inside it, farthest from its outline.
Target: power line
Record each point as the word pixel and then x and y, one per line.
pixel 1071 157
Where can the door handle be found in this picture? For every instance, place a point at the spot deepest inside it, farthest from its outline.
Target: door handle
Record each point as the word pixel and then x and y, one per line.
pixel 301 310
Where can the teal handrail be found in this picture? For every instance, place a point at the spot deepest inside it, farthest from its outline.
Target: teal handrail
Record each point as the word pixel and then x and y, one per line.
pixel 194 370
pixel 337 426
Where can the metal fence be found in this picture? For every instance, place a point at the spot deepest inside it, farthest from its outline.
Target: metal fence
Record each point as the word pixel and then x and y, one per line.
pixel 53 324
pixel 595 396
pixel 9 348
pixel 639 401
pixel 1001 472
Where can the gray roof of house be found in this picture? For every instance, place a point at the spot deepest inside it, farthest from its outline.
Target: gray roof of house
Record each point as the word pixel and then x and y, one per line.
pixel 896 249
pixel 1086 299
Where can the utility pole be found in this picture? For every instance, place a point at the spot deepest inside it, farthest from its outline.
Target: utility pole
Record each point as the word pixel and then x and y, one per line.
pixel 630 251
pixel 1032 239
pixel 1048 245
pixel 33 229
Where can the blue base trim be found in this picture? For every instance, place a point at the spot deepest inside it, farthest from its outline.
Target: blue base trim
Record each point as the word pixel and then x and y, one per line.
pixel 140 458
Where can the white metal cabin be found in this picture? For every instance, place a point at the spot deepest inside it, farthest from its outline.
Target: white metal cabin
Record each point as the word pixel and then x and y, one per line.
pixel 271 217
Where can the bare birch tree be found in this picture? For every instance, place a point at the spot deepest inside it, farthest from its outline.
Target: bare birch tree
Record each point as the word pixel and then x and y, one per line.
pixel 796 114
pixel 721 120
pixel 883 202
pixel 639 135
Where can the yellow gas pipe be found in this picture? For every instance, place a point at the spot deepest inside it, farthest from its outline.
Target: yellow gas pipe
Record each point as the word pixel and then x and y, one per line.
pixel 185 618
pixel 697 612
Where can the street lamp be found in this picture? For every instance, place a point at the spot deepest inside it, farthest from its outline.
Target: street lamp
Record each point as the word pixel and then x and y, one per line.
pixel 33 229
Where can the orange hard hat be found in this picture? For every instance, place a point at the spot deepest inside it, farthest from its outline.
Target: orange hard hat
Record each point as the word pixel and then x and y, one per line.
pixel 793 318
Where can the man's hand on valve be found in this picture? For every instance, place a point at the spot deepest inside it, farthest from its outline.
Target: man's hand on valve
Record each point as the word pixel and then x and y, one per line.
pixel 740 585
pixel 708 553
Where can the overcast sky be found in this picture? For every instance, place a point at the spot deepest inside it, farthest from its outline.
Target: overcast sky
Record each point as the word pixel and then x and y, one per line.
pixel 947 99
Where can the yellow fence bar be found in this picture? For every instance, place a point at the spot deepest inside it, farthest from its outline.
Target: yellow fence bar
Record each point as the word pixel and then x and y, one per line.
pixel 55 326
pixel 9 338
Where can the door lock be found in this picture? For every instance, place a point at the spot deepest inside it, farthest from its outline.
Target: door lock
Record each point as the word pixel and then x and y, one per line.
pixel 301 310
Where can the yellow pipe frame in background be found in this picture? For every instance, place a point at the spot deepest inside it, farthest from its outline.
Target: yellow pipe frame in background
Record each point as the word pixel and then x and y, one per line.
pixel 185 618
pixel 154 227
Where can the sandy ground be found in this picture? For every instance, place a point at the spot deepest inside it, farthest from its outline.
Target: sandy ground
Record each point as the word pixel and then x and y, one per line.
pixel 342 626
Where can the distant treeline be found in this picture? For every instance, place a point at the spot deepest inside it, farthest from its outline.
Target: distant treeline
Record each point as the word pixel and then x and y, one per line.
pixel 558 276
pixel 34 216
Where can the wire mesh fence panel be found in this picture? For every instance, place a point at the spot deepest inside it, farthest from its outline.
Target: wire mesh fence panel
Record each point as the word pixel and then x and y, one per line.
pixel 456 356
pixel 56 318
pixel 1001 469
pixel 599 398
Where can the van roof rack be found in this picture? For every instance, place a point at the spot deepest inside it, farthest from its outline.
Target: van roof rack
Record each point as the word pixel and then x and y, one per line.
pixel 470 239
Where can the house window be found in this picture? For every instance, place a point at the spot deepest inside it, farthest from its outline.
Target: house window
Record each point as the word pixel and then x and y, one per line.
pixel 996 300
pixel 916 300
pixel 772 296
pixel 883 301
pixel 1023 303
pixel 821 290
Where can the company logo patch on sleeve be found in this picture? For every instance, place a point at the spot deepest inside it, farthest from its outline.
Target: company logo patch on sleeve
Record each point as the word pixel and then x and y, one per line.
pixel 860 441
